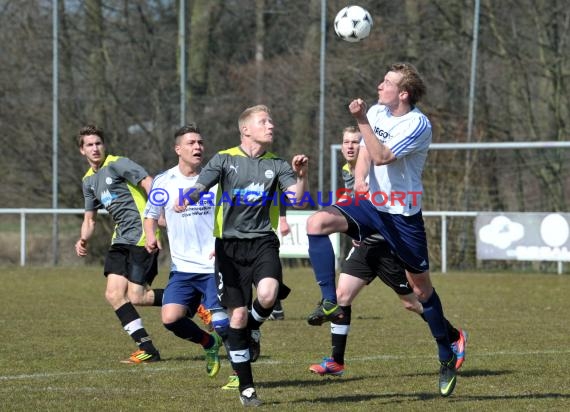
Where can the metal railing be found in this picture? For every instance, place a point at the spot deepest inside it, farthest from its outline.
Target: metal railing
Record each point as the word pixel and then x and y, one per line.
pixel 23 212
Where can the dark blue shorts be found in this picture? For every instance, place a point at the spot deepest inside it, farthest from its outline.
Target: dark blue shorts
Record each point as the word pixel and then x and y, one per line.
pixel 405 234
pixel 191 289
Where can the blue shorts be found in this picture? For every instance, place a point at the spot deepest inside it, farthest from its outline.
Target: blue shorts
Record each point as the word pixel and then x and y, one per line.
pixel 191 289
pixel 405 234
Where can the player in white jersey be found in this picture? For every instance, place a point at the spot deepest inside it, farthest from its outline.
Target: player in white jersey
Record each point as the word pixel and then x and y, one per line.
pixel 367 260
pixel 191 249
pixel 396 138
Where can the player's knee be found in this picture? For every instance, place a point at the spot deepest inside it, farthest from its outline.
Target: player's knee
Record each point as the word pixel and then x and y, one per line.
pixel 114 296
pixel 315 223
pixel 267 290
pixel 239 318
pixel 169 317
pixel 267 300
pixel 343 297
pixel 422 294
pixel 421 284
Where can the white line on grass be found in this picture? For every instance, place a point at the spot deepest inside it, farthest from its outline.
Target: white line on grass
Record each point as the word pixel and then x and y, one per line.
pixel 156 368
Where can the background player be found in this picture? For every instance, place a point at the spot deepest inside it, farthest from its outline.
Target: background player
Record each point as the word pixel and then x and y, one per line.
pixel 120 186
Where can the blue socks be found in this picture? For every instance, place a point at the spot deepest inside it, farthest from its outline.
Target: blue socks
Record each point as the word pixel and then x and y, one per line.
pixel 433 314
pixel 322 258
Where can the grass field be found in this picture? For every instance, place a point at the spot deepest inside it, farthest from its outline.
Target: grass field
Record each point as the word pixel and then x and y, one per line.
pixel 61 345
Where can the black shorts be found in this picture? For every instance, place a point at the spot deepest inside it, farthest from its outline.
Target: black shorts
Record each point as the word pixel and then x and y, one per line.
pixel 132 262
pixel 368 261
pixel 241 263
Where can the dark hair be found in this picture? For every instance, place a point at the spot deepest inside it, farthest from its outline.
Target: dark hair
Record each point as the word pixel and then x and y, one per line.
pixel 88 130
pixel 411 81
pixel 187 128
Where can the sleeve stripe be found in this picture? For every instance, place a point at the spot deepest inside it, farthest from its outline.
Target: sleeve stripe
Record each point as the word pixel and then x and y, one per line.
pixel 419 130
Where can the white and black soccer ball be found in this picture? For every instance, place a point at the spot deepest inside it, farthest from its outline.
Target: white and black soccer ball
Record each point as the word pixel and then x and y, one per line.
pixel 353 23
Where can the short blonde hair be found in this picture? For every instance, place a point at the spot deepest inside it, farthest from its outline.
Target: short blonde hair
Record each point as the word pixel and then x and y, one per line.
pixel 351 129
pixel 249 111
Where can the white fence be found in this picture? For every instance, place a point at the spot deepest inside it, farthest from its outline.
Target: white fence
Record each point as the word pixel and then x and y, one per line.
pixel 39 211
pixel 291 248
pixel 24 212
pixel 335 150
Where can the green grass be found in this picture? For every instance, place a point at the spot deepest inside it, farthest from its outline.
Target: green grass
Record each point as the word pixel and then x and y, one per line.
pixel 61 344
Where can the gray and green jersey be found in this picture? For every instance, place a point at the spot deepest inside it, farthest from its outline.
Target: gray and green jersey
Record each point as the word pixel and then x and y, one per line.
pixel 347 177
pixel 115 187
pixel 247 204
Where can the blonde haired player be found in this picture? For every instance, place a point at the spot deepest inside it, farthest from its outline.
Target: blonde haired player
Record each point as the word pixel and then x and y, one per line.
pixel 396 138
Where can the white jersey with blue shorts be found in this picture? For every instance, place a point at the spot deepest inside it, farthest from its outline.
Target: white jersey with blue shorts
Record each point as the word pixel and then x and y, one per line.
pixel 394 205
pixel 408 137
pixel 190 238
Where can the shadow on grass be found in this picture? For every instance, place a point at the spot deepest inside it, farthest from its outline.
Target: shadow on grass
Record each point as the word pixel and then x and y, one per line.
pixel 422 396
pixel 303 319
pixel 363 317
pixel 190 358
pixel 318 381
pixel 530 396
pixel 393 397
pixel 463 373
pixel 200 357
pixel 473 373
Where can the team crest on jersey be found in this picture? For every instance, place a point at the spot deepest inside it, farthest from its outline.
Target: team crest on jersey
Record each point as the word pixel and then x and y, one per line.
pixel 269 174
pixel 251 193
pixel 107 198
pixel 108 180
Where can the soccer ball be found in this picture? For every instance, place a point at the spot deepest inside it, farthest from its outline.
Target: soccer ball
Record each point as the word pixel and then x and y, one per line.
pixel 353 23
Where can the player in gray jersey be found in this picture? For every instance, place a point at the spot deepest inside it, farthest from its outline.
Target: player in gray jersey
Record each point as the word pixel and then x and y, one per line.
pixel 247 248
pixel 120 186
pixel 370 259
